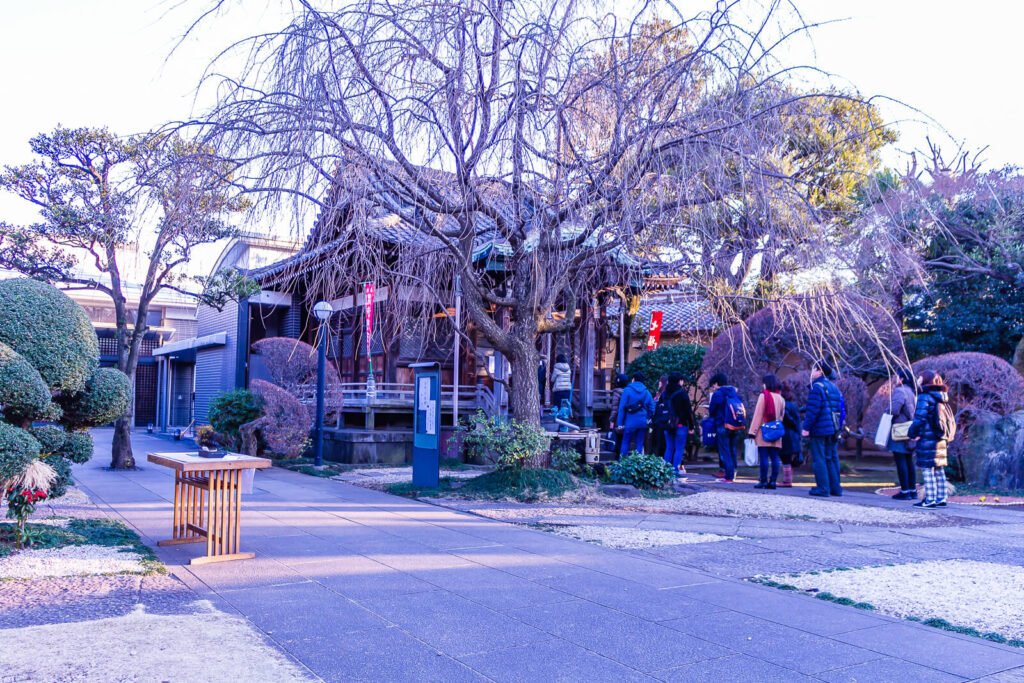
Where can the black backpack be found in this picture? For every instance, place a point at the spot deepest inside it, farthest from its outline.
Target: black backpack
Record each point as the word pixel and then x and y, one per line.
pixel 664 416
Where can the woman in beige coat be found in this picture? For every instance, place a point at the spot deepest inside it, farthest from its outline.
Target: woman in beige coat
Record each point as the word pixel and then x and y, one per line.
pixel 771 407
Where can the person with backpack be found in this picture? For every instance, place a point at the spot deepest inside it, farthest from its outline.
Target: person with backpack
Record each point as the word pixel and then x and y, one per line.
pixel 658 443
pixel 767 431
pixel 636 407
pixel 791 453
pixel 561 381
pixel 934 426
pixel 902 406
pixel 822 427
pixel 676 421
pixel 727 411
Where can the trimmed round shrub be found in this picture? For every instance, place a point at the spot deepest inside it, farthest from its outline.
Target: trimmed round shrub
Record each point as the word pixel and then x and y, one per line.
pixel 23 393
pixel 77 447
pixel 232 409
pixel 780 339
pixel 977 381
pixel 684 359
pixel 642 471
pixel 105 397
pixel 51 439
pixel 17 449
pixel 64 479
pixel 285 423
pixel 291 362
pixel 50 330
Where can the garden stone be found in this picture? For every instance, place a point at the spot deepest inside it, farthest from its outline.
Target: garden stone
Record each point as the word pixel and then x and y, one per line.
pixel 620 491
pixel 993 457
pixel 687 489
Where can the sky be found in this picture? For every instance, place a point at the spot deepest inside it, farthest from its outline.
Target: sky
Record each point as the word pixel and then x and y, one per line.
pixel 941 68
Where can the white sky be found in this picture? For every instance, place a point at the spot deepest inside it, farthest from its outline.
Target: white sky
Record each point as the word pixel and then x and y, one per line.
pixel 104 62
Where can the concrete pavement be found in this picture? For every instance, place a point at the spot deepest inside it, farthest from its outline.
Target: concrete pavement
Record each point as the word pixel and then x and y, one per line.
pixel 359 585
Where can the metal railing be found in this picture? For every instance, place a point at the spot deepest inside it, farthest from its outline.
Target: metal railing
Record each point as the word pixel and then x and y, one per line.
pixel 352 397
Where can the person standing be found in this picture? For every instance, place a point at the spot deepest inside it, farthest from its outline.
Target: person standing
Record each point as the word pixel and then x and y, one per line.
pixel 662 410
pixel 561 381
pixel 823 424
pixel 766 424
pixel 636 407
pixel 681 422
pixel 902 408
pixel 790 455
pixel 541 380
pixel 729 416
pixel 933 427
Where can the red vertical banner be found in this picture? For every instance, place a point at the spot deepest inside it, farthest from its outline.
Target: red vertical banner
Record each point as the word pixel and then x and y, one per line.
pixel 654 335
pixel 369 294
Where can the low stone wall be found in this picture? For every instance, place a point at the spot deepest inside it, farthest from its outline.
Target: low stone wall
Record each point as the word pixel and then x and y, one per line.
pixel 374 446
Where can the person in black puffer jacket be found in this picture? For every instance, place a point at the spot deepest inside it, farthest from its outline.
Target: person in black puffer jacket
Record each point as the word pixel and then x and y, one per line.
pixel 824 416
pixel 931 453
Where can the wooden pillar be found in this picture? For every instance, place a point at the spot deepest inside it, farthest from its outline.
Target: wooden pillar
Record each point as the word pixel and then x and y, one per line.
pixel 586 374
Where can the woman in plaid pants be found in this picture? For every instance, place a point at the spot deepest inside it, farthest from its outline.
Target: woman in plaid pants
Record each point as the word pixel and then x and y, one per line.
pixel 931 453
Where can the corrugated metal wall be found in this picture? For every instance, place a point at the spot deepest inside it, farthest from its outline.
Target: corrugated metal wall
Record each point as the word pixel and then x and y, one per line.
pixel 215 367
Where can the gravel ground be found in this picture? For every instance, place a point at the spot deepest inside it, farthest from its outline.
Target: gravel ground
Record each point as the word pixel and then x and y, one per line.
pixel 634 539
pixel 379 477
pixel 981 595
pixel 72 560
pixel 736 504
pixel 210 646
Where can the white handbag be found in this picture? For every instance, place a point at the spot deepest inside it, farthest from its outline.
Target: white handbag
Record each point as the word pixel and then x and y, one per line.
pixel 884 430
pixel 750 452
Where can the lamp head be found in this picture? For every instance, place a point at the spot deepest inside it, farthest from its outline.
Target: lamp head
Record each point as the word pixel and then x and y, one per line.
pixel 322 311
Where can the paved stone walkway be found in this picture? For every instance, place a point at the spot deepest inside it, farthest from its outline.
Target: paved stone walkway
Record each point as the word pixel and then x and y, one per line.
pixel 361 586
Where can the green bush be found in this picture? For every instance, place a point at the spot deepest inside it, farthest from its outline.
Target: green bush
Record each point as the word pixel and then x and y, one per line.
pixel 232 409
pixel 506 443
pixel 64 479
pixel 48 372
pixel 642 471
pixel 50 330
pixel 565 458
pixel 685 359
pixel 23 394
pixel 77 447
pixel 104 398
pixel 17 449
pixel 51 439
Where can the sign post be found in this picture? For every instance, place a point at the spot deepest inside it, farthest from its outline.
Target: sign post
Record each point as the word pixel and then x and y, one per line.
pixel 426 433
pixel 654 335
pixel 369 294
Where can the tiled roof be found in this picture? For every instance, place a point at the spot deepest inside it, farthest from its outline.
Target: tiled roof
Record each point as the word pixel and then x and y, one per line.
pixel 681 314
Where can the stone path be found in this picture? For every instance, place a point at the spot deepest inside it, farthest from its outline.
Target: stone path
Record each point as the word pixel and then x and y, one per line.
pixel 361 586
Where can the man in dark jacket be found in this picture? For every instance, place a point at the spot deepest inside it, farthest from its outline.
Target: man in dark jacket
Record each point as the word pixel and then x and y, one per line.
pixel 931 451
pixel 823 423
pixel 726 438
pixel 636 407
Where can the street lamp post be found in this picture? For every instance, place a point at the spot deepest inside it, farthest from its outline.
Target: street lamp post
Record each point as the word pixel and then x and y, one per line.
pixel 322 311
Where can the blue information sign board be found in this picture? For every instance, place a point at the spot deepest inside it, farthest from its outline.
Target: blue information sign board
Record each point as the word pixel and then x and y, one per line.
pixel 426 438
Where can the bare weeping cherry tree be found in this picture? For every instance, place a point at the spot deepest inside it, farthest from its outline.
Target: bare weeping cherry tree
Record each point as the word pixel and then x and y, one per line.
pixel 588 148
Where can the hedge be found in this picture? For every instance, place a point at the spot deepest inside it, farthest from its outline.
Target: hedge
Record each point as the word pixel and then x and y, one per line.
pixel 50 330
pixel 23 393
pixel 104 398
pixel 17 449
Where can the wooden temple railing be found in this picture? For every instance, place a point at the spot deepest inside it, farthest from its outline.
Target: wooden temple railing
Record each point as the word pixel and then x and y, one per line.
pixel 352 397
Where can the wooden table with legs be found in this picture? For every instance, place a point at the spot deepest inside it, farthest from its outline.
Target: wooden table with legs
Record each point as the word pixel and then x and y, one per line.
pixel 208 502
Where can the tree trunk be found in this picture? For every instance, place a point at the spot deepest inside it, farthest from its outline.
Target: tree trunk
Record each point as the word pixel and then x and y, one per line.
pixel 121 456
pixel 524 389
